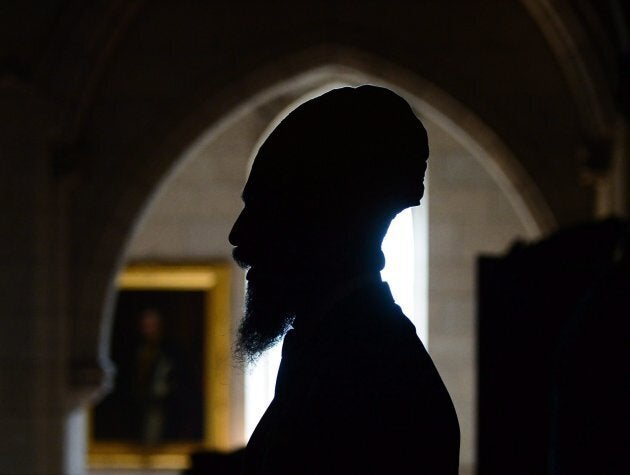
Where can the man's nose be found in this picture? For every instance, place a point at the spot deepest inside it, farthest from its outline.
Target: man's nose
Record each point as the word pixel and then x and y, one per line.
pixel 235 236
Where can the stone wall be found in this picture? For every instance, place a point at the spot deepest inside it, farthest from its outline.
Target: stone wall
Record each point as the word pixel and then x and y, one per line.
pixel 469 215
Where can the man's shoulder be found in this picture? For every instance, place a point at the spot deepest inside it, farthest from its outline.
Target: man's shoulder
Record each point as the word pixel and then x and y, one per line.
pixel 377 337
pixel 377 321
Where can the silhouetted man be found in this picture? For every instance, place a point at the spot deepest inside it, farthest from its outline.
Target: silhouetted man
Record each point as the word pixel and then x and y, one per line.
pixel 356 390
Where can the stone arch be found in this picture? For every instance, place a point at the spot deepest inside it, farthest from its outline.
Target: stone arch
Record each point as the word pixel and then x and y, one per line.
pixel 354 67
pixel 306 71
pixel 265 112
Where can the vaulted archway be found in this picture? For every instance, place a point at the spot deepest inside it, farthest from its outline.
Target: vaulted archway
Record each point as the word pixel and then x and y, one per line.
pixel 442 114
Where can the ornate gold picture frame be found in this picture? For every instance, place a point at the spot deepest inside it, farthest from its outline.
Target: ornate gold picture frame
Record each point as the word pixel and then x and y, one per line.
pixel 171 344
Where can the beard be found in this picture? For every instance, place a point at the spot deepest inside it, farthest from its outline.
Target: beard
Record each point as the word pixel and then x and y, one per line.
pixel 268 316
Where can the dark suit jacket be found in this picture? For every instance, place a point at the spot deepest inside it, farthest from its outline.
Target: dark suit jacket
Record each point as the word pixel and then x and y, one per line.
pixel 356 393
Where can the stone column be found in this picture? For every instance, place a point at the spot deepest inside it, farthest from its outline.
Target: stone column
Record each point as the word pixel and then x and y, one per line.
pixel 38 431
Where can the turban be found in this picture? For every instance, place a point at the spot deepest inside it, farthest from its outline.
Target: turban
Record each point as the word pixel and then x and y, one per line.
pixel 348 148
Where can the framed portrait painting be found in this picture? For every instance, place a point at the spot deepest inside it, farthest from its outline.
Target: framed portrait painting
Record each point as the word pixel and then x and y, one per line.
pixel 170 344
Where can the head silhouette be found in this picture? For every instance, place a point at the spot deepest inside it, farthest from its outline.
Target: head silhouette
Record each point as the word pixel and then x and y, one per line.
pixel 321 193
